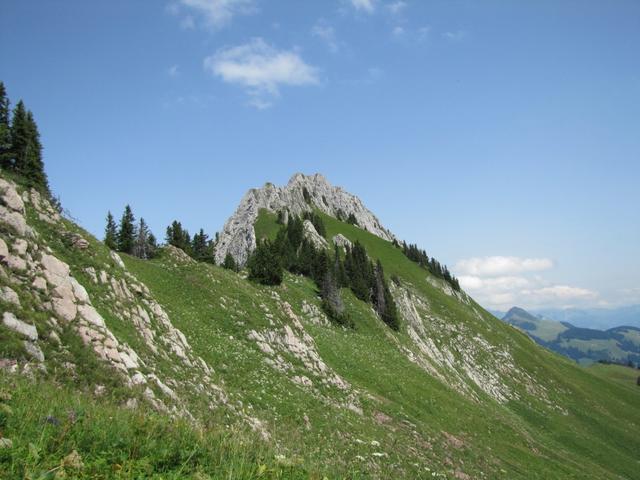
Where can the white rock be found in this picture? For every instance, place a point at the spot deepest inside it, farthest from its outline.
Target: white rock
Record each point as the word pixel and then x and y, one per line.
pixel 10 197
pixel 53 336
pixel 116 258
pixel 79 291
pixel 6 443
pixel 7 294
pixel 15 263
pixel 34 350
pixel 56 270
pixel 20 246
pixel 16 221
pixel 39 283
pixel 91 315
pixel 10 321
pixel 65 307
pixel 4 250
pixel 313 236
pixel 138 379
pixel 342 241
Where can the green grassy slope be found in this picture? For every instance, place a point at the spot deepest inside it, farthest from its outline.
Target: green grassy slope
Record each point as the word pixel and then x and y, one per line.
pixel 455 394
pixel 419 421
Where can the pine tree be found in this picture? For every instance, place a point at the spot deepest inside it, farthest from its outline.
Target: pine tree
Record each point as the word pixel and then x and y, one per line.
pixel 127 231
pixel 33 168
pixel 5 129
pixel 264 265
pixel 142 244
pixel 332 302
pixel 20 136
pixel 383 300
pixel 202 247
pixel 229 263
pixel 111 233
pixel 179 237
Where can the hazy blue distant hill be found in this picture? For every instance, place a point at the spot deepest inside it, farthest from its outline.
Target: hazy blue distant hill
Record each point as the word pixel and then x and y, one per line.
pixel 585 345
pixel 600 318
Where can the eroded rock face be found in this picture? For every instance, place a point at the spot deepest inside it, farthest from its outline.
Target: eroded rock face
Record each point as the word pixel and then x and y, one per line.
pixel 313 236
pixel 238 236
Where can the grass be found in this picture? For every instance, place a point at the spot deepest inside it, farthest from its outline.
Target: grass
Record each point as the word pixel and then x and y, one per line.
pixel 56 430
pixel 581 424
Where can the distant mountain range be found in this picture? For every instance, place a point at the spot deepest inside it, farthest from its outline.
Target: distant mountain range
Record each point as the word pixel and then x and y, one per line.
pixel 585 345
pixel 597 318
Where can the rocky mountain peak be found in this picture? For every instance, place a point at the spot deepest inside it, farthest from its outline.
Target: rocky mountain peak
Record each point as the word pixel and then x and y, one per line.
pixel 301 194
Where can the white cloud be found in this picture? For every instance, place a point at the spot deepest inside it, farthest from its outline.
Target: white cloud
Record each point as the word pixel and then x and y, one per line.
pixel 367 6
pixel 561 292
pixel 261 69
pixel 456 36
pixel 498 265
pixel 397 7
pixel 173 71
pixel 501 282
pixel 327 34
pixel 398 31
pixel 215 13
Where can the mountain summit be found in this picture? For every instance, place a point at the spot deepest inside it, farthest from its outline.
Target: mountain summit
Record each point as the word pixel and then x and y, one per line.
pixel 302 194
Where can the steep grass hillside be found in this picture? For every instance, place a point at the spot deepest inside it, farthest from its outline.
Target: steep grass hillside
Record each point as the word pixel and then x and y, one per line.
pixel 179 369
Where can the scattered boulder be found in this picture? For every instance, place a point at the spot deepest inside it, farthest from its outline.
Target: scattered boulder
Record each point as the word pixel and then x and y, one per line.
pixel 16 221
pixel 4 250
pixel 6 443
pixel 20 246
pixel 11 322
pixel 56 271
pixel 7 294
pixel 34 350
pixel 118 261
pixel 65 307
pixel 10 198
pixel 16 263
pixel 39 283
pixel 77 241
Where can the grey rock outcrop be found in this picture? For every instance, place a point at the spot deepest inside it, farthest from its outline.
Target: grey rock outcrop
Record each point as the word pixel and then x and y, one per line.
pixel 238 236
pixel 313 236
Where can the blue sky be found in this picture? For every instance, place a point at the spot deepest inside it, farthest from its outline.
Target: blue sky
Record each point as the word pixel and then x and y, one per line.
pixel 503 137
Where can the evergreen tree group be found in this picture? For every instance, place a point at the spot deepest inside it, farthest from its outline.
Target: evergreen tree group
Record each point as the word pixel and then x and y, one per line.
pixel 129 237
pixel 415 254
pixel 291 251
pixel 200 247
pixel 20 146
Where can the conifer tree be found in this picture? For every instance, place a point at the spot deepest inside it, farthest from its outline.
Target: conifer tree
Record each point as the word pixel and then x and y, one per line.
pixel 202 247
pixel 332 301
pixel 111 233
pixel 5 129
pixel 229 262
pixel 142 246
pixel 20 136
pixel 264 265
pixel 383 300
pixel 127 231
pixel 33 168
pixel 179 237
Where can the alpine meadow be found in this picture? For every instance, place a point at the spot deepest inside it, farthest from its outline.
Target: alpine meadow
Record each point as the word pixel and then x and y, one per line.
pixel 159 323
